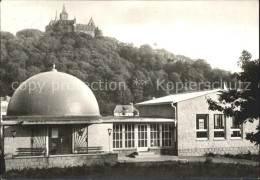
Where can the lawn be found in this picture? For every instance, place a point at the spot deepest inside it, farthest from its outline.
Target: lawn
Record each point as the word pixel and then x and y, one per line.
pixel 148 170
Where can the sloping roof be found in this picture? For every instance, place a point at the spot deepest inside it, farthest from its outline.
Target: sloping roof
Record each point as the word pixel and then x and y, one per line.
pixel 91 22
pixel 176 97
pixel 131 119
pixel 71 22
pixel 125 109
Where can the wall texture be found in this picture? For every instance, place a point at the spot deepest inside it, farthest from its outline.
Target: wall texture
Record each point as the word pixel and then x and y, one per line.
pixel 188 145
pixel 98 136
pixel 165 111
pixel 60 161
pixel 21 140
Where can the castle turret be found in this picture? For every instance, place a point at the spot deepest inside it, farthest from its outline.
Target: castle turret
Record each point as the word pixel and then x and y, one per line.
pixel 91 22
pixel 64 14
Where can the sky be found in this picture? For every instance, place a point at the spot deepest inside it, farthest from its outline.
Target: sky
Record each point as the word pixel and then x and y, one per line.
pixel 217 31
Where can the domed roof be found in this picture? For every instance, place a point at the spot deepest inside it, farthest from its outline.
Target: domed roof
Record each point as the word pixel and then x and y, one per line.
pixel 53 94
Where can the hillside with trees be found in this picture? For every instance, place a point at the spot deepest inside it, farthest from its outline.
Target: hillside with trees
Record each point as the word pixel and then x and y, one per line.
pixel 99 58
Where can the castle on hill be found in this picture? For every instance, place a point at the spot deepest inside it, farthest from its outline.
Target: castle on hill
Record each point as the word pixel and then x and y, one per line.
pixel 66 25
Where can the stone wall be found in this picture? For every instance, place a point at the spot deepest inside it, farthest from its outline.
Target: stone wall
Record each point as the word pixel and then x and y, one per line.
pixel 60 161
pixel 125 152
pixel 163 151
pixel 188 145
pixel 222 150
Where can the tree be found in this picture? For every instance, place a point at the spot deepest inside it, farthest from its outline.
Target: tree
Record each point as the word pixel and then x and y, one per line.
pixel 98 32
pixel 242 104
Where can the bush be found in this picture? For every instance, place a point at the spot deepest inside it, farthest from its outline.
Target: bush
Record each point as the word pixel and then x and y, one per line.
pixel 208 160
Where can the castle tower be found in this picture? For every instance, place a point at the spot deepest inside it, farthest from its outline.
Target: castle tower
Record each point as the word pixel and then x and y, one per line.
pixel 63 14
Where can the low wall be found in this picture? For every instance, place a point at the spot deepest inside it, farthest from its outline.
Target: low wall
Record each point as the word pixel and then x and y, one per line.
pixel 161 151
pixel 164 151
pixel 124 152
pixel 223 150
pixel 60 161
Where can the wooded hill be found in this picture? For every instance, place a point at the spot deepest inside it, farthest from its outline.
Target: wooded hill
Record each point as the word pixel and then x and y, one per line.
pixel 94 59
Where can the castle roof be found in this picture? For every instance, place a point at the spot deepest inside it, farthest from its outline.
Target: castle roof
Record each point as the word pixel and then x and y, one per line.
pixel 67 22
pixel 82 27
pixel 64 10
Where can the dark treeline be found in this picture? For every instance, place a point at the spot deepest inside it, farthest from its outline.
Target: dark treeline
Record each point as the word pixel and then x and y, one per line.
pixel 100 59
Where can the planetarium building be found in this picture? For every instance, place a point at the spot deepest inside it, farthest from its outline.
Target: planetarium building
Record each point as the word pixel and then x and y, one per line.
pixel 53 120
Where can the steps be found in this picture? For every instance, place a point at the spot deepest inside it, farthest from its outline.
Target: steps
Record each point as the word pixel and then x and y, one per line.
pixel 146 154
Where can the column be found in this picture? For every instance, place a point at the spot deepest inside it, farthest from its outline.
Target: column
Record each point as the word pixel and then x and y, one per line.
pixel 160 128
pixel 136 135
pixel 148 136
pixel 72 139
pixel 123 135
pixel 47 141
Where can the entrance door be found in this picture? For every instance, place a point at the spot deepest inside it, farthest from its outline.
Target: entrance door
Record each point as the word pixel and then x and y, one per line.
pixel 60 140
pixel 142 137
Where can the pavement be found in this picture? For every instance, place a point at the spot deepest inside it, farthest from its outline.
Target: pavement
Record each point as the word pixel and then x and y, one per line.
pixel 185 159
pixel 150 159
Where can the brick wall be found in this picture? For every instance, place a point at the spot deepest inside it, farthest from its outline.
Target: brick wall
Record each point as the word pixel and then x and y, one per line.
pixel 60 161
pixel 188 145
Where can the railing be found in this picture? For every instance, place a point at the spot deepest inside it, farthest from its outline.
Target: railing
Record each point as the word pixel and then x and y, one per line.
pixel 30 151
pixel 88 150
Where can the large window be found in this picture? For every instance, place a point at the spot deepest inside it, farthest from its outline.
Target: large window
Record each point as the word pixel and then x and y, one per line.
pixel 142 135
pixel 129 136
pixel 219 126
pixel 155 135
pixel 166 134
pixel 202 126
pixel 236 130
pixel 117 136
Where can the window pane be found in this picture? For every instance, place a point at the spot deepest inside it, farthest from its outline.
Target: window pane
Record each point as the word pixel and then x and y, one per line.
pixel 219 121
pixel 202 121
pixel 234 125
pixel 166 135
pixel 219 134
pixel 236 134
pixel 202 134
pixel 117 136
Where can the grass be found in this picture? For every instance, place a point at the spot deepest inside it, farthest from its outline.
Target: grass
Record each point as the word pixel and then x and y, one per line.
pixel 248 156
pixel 147 170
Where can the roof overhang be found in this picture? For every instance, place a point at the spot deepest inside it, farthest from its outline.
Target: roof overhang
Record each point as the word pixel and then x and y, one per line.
pixel 41 120
pixel 136 120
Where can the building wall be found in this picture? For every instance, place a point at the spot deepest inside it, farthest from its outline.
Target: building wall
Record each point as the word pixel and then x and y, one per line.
pixel 60 161
pixel 21 140
pixel 188 145
pixel 98 136
pixel 165 111
pixel 3 110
